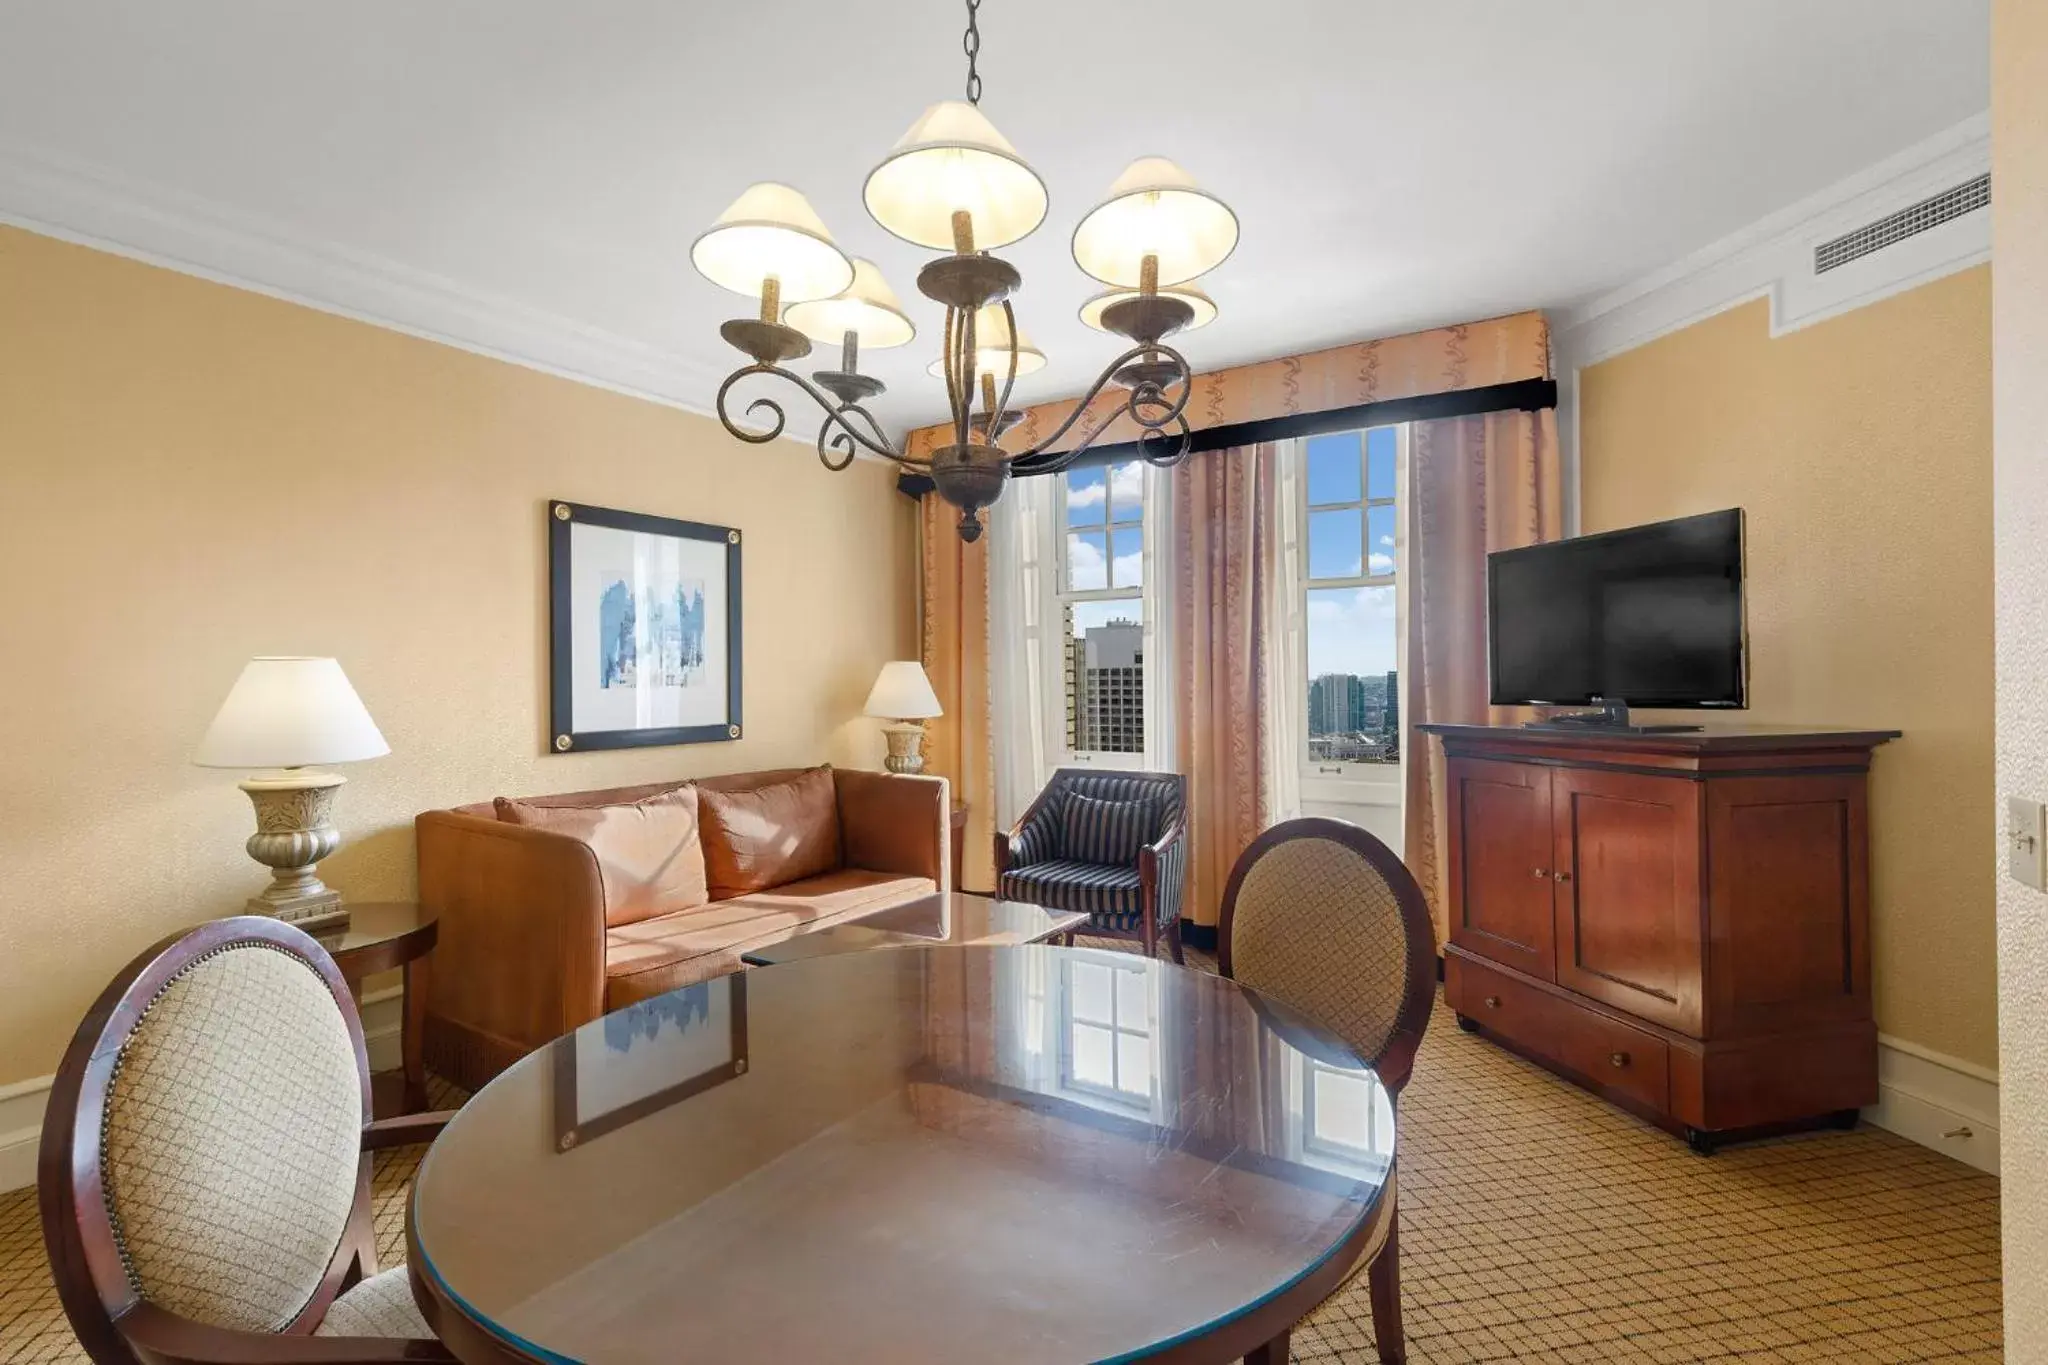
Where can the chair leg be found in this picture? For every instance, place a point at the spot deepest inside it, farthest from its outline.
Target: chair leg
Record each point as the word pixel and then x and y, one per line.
pixel 1274 1352
pixel 1384 1276
pixel 1173 940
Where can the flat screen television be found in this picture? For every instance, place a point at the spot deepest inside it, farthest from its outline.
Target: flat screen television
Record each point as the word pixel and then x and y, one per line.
pixel 1646 616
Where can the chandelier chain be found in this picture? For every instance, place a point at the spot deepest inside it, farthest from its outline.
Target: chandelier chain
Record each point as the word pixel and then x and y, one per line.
pixel 970 43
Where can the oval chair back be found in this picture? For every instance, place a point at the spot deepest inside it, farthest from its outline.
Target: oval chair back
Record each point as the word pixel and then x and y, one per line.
pixel 204 1172
pixel 1322 917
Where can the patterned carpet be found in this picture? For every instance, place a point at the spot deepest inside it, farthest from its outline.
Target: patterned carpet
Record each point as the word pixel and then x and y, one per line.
pixel 1540 1224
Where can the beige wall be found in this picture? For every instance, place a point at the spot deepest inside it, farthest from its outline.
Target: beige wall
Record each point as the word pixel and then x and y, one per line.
pixel 1860 450
pixel 2019 359
pixel 192 474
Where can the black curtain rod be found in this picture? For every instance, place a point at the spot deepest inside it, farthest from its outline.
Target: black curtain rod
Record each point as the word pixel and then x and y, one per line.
pixel 1524 395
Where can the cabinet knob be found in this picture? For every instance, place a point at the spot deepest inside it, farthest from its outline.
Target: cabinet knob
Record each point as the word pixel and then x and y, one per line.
pixel 1493 1002
pixel 1617 1059
pixel 1539 873
pixel 1562 876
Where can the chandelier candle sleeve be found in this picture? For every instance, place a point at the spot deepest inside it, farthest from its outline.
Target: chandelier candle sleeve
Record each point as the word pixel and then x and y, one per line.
pixel 955 185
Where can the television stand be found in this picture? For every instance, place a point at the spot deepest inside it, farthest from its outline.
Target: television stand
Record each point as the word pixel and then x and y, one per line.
pixel 1611 718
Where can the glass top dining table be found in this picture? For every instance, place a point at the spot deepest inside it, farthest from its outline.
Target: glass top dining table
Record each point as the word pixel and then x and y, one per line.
pixel 1020 1153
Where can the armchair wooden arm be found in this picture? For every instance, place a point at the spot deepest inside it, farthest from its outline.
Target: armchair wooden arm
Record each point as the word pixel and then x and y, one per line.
pixel 405 1130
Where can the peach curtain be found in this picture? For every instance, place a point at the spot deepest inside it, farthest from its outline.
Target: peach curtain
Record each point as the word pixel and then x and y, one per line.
pixel 1223 560
pixel 1477 484
pixel 1473 355
pixel 958 744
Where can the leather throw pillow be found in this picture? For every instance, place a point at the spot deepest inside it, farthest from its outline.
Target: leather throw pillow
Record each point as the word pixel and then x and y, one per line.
pixel 770 836
pixel 650 857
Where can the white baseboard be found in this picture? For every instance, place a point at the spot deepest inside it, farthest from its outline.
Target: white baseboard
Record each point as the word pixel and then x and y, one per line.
pixel 1938 1101
pixel 22 1103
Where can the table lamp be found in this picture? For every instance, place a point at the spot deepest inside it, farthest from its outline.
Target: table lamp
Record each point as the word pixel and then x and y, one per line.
pixel 903 693
pixel 287 714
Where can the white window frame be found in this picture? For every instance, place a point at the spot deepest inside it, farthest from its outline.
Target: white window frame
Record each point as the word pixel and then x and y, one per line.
pixel 1065 596
pixel 1324 782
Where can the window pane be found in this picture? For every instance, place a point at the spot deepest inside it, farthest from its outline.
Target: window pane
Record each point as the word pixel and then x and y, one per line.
pixel 1127 570
pixel 1133 1064
pixel 1131 1005
pixel 1091 985
pixel 1094 1057
pixel 1379 540
pixel 1127 491
pixel 1086 491
pixel 1333 468
pixel 1334 539
pixel 1380 448
pixel 1105 676
pixel 1353 701
pixel 1087 560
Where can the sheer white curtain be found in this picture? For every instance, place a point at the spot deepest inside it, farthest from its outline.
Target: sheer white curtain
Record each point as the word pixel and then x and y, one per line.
pixel 1284 648
pixel 1023 645
pixel 1160 720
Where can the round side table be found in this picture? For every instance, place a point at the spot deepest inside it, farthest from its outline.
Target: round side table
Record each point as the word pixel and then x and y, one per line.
pixel 380 936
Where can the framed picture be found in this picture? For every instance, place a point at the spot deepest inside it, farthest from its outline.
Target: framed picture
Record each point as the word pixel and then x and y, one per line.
pixel 644 629
pixel 642 1059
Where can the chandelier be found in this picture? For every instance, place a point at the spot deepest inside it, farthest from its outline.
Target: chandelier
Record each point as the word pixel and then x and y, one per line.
pixel 953 184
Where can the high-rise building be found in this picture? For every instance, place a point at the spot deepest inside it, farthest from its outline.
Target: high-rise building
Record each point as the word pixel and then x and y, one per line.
pixel 1106 689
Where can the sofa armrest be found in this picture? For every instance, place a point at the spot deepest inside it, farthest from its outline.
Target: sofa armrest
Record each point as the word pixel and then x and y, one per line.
pixel 1031 840
pixel 1162 873
pixel 896 822
pixel 520 949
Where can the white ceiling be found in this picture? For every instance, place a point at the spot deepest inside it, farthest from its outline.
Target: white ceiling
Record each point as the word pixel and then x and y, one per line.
pixel 1394 163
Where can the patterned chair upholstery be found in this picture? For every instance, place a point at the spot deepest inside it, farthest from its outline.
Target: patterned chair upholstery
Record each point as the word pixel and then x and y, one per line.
pixel 212 1119
pixel 1112 846
pixel 1323 918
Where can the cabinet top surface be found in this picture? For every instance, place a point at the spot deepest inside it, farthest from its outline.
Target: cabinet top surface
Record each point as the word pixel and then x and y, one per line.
pixel 1714 738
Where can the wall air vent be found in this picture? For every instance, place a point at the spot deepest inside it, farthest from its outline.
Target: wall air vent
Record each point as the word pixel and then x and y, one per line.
pixel 1967 197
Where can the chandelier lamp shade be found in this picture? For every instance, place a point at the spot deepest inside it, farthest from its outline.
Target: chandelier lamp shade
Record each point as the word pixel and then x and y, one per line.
pixel 953 184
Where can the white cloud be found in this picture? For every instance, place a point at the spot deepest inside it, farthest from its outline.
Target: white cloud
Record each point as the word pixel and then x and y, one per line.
pixel 1381 563
pixel 1130 569
pixel 1085 566
pixel 1127 483
pixel 1082 495
pixel 1350 630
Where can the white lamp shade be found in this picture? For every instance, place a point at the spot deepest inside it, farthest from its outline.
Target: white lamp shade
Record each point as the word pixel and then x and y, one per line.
pixel 771 230
pixel 290 713
pixel 992 347
pixel 1155 209
pixel 903 692
pixel 1204 306
pixel 867 308
pixel 952 159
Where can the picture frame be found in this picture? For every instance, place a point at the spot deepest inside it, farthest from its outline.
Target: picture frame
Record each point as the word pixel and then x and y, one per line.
pixel 643 629
pixel 653 1053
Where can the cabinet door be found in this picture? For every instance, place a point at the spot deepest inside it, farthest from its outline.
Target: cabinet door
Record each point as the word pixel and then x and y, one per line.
pixel 1500 850
pixel 1630 902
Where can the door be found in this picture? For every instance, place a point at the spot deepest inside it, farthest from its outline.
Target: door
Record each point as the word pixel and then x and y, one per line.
pixel 1500 850
pixel 1630 901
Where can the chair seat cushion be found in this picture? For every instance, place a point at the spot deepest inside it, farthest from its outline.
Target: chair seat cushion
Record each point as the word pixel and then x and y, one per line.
pixel 1107 895
pixel 658 955
pixel 381 1306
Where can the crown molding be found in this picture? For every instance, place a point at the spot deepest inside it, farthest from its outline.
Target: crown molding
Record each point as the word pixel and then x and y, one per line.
pixel 1773 257
pixel 160 226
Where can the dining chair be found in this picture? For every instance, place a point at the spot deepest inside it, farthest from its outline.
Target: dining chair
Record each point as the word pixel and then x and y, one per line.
pixel 204 1174
pixel 1112 846
pixel 1323 918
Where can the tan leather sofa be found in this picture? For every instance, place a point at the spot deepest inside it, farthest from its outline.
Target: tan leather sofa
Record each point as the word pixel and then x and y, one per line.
pixel 551 916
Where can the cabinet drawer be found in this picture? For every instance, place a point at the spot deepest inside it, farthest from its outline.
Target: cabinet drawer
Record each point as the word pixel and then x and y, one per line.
pixel 1605 1052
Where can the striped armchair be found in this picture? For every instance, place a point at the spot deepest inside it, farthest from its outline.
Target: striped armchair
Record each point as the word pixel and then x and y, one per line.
pixel 1112 846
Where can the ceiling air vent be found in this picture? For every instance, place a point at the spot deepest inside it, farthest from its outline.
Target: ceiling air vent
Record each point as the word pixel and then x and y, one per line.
pixel 1967 197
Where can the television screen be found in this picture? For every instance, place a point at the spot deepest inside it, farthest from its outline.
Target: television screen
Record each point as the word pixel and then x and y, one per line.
pixel 1648 616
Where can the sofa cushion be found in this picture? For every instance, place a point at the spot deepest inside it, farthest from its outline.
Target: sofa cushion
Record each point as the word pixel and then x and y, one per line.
pixel 1109 832
pixel 650 859
pixel 765 837
pixel 657 955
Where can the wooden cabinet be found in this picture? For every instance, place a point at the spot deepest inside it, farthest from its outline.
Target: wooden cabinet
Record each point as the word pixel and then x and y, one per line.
pixel 1680 922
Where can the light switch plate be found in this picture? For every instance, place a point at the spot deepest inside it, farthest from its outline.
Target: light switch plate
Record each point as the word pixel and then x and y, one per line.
pixel 2026 830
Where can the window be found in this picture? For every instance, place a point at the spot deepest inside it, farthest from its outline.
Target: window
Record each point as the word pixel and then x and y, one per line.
pixel 1102 602
pixel 1345 1114
pixel 1108 1044
pixel 1353 549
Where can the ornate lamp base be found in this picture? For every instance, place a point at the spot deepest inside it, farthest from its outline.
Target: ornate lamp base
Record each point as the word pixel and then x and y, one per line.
pixel 906 747
pixel 293 833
